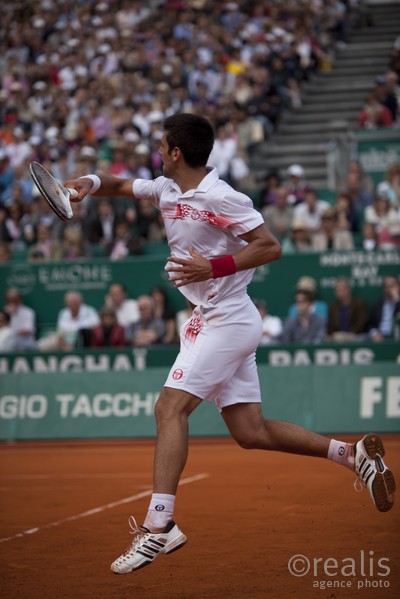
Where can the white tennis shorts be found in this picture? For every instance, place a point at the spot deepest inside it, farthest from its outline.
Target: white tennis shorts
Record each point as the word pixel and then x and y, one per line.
pixel 217 358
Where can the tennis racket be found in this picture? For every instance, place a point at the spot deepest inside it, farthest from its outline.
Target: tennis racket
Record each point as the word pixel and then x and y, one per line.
pixel 56 195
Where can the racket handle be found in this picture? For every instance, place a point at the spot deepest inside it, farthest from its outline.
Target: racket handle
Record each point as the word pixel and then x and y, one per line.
pixel 72 192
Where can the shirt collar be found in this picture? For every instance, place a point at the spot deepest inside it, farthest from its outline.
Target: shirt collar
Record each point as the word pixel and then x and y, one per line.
pixel 205 184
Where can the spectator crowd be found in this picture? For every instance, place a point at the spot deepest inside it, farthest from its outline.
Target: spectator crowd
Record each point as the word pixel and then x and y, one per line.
pixel 361 216
pixel 85 87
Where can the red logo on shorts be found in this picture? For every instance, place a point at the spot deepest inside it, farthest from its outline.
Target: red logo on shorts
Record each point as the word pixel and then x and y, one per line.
pixel 193 327
pixel 177 374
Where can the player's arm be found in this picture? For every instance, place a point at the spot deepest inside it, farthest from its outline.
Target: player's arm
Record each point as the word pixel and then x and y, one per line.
pixel 261 248
pixel 101 186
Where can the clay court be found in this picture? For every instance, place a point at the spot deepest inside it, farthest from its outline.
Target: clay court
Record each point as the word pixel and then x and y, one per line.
pixel 65 508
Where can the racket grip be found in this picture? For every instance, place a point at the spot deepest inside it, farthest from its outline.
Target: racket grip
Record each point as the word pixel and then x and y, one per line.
pixel 72 192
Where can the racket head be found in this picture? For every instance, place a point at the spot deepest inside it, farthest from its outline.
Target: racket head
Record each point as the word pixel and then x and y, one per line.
pixel 56 195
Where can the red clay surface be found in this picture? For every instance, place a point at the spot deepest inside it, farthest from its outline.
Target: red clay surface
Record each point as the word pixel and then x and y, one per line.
pixel 245 520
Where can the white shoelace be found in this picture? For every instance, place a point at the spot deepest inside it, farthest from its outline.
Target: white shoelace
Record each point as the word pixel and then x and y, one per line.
pixel 358 485
pixel 134 528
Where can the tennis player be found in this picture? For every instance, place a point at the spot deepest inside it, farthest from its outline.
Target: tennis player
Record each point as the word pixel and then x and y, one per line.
pixel 216 239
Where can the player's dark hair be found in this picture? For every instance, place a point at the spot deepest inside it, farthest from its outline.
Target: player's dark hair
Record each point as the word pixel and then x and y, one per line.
pixel 192 134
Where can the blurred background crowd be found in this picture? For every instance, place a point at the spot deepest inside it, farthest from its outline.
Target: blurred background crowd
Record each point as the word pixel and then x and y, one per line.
pixel 150 320
pixel 85 87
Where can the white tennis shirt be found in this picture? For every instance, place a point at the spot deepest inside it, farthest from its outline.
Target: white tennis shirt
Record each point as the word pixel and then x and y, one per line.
pixel 209 219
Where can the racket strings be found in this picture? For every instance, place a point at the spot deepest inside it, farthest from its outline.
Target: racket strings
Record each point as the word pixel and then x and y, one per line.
pixel 53 189
pixel 57 196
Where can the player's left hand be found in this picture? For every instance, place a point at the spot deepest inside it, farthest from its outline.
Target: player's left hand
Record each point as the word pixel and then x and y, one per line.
pixel 189 271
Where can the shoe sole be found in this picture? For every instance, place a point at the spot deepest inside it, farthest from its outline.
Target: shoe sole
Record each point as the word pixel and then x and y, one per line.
pixel 384 485
pixel 180 542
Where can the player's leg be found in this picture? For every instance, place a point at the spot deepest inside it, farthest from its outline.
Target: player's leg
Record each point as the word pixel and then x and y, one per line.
pixel 212 349
pixel 159 533
pixel 172 411
pixel 252 431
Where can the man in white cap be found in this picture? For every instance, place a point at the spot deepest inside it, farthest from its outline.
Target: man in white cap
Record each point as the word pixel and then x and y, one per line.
pixel 296 184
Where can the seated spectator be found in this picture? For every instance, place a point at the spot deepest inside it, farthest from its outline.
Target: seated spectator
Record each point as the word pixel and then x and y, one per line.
pixel 108 333
pixel 298 241
pixel 118 159
pixel 163 311
pixel 39 211
pixel 309 285
pixel 149 225
pixel 389 238
pixel 296 184
pixel 374 115
pixel 142 162
pixel 348 316
pixel 386 311
pixel 330 237
pixel 310 211
pixel 360 197
pixel 125 243
pixel 45 249
pixel 271 325
pixel 14 225
pixel 223 152
pixel 148 330
pixel 22 320
pixel 126 309
pixel 8 338
pixel 346 215
pixel 241 176
pixel 75 317
pixel 278 216
pixel 365 182
pixel 100 227
pixel 73 244
pixel 306 326
pixel 269 192
pixel 391 185
pixel 385 93
pixel 384 217
pixel 369 237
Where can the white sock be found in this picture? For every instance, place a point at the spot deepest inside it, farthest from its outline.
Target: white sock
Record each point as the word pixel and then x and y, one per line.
pixel 341 453
pixel 161 510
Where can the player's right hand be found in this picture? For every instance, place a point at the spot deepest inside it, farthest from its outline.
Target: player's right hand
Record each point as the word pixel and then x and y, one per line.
pixel 82 185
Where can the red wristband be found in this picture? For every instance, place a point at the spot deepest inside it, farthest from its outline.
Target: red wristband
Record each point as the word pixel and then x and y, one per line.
pixel 222 267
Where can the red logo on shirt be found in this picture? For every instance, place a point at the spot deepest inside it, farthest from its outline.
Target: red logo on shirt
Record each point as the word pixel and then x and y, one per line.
pixel 187 211
pixel 177 374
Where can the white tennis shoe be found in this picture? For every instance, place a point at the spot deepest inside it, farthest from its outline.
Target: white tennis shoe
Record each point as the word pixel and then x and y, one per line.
pixel 146 546
pixel 373 473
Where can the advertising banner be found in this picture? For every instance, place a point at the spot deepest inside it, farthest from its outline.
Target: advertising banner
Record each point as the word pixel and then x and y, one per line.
pixel 79 405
